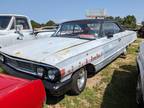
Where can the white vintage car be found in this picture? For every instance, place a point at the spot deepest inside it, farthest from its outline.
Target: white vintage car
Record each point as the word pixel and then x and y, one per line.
pixel 63 60
pixel 10 33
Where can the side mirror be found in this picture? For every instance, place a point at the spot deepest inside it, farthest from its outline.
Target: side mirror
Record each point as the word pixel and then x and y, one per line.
pixel 109 34
pixel 19 28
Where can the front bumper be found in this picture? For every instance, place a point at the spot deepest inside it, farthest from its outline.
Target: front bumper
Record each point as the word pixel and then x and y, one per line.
pixel 55 89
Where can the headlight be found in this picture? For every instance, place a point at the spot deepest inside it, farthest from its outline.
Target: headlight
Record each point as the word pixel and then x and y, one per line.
pixel 40 71
pixel 1 58
pixel 53 75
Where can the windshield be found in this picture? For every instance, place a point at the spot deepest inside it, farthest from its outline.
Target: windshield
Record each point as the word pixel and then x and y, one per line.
pixel 77 29
pixel 4 21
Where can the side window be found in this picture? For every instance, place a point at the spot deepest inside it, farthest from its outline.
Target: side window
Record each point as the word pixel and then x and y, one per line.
pixel 110 28
pixel 77 29
pixel 95 28
pixel 22 21
pixel 66 29
pixel 116 28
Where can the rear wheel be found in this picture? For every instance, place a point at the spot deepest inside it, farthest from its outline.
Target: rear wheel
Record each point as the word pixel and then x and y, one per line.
pixel 139 96
pixel 79 81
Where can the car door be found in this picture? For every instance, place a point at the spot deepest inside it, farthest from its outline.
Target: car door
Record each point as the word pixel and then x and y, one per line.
pixel 26 26
pixel 115 42
pixel 110 40
pixel 8 35
pixel 26 31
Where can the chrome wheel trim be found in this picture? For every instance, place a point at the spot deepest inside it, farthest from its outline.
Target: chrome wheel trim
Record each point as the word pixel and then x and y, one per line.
pixel 81 79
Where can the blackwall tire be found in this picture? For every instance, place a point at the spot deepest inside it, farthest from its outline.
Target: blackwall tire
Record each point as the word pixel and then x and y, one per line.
pixel 79 81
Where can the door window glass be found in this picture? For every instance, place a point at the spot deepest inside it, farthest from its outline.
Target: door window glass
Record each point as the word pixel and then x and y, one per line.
pixel 67 29
pixel 4 22
pixel 112 28
pixel 75 29
pixel 22 21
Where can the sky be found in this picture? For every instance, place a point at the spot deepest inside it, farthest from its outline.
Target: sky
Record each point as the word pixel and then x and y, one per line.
pixel 61 10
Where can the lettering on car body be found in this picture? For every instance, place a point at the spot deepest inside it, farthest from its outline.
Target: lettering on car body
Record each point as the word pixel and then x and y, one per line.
pixel 86 61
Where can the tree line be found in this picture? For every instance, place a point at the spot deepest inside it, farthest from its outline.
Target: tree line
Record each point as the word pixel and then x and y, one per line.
pixel 38 25
pixel 128 22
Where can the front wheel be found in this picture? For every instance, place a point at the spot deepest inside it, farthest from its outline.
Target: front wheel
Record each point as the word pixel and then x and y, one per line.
pixel 79 81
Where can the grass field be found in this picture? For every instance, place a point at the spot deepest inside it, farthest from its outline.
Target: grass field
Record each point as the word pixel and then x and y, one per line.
pixel 113 87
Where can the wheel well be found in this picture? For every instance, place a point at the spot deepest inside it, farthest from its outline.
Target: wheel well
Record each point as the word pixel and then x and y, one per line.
pixel 90 68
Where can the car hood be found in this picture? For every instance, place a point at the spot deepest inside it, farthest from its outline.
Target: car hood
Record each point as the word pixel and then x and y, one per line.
pixel 3 32
pixel 9 84
pixel 50 51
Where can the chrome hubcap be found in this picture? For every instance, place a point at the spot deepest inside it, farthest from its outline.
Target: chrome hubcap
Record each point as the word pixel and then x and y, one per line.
pixel 81 79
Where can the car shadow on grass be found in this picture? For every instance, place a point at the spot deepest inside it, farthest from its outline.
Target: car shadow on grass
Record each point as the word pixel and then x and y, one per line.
pixel 52 100
pixel 121 91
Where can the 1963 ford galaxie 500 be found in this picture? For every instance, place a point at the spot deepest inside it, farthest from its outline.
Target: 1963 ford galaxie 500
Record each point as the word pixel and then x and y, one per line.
pixel 63 60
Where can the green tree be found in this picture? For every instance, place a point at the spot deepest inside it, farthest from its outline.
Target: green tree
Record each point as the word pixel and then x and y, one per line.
pixel 35 24
pixel 119 19
pixel 50 23
pixel 110 18
pixel 129 21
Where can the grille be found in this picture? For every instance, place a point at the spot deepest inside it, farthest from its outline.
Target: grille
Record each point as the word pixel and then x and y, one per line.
pixel 20 65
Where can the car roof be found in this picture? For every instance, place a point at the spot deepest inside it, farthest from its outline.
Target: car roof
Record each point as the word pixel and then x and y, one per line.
pixel 89 21
pixel 13 15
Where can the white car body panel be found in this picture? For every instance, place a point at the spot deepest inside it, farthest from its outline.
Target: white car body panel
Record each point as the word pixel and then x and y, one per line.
pixel 9 37
pixel 71 54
